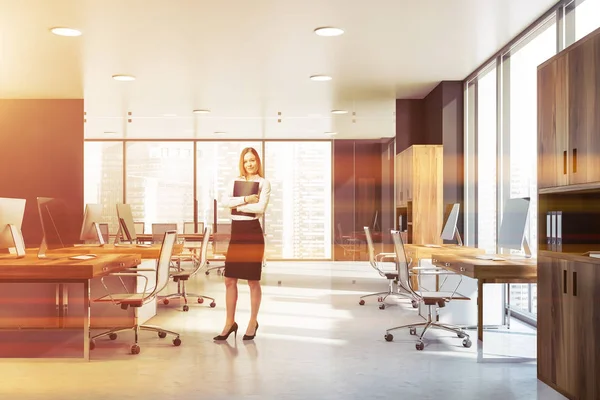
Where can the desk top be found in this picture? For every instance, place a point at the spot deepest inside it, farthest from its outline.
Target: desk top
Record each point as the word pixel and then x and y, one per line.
pixel 59 268
pixel 522 270
pixel 144 252
pixel 192 237
pixel 426 251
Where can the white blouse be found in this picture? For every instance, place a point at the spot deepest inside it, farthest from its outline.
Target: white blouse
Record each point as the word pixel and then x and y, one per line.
pixel 264 193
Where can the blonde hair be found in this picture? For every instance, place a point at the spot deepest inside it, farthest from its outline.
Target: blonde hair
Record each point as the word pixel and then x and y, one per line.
pixel 258 163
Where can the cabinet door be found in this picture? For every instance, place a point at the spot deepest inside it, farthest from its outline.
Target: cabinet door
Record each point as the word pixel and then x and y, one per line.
pixel 583 87
pixel 409 173
pixel 584 291
pixel 553 327
pixel 399 180
pixel 552 132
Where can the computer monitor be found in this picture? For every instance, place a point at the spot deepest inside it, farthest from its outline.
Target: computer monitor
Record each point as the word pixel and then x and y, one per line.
pixel 11 218
pixel 90 228
pixel 56 226
pixel 450 229
pixel 126 224
pixel 512 228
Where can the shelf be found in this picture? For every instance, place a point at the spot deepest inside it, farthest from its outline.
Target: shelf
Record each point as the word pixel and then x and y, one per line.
pixel 583 187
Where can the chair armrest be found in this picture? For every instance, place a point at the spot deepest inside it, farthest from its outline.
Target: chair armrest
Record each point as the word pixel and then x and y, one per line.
pixel 383 256
pixel 120 274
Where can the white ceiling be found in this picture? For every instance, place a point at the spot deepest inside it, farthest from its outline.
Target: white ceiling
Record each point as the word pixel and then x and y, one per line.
pixel 248 60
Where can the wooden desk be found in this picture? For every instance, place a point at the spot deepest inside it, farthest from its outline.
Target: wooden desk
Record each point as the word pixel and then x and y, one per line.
pixel 192 237
pixel 418 252
pixel 151 252
pixel 487 271
pixel 58 270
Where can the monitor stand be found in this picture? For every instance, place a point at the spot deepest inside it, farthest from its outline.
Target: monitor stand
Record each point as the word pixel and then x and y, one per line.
pixel 43 248
pixel 459 241
pixel 526 250
pixel 98 234
pixel 17 237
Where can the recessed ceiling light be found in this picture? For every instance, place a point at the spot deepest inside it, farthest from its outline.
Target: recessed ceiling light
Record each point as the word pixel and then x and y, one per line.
pixel 62 31
pixel 331 133
pixel 320 78
pixel 329 31
pixel 124 78
pixel 201 111
pixel 220 133
pixel 339 112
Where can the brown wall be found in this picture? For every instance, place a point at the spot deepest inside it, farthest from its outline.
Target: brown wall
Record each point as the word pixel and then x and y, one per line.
pixel 42 155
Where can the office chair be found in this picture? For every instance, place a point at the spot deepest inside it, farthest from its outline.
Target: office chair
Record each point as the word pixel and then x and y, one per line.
pixel 431 300
pixel 158 230
pixel 220 244
pixel 188 227
pixel 136 300
pixel 376 261
pixel 182 276
pixel 349 244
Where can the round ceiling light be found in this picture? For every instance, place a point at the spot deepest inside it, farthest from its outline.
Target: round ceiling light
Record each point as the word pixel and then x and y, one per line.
pixel 331 133
pixel 339 111
pixel 124 78
pixel 201 111
pixel 320 78
pixel 220 133
pixel 63 31
pixel 329 31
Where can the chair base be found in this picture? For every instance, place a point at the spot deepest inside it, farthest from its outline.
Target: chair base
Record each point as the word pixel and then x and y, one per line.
pixel 382 296
pixel 219 269
pixel 430 323
pixel 135 348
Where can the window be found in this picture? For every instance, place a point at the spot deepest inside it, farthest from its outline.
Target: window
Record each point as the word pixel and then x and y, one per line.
pixel 160 183
pixel 582 19
pixel 298 223
pixel 103 178
pixel 520 88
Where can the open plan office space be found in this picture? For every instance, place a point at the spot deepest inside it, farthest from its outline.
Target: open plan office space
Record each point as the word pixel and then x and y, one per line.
pixel 433 225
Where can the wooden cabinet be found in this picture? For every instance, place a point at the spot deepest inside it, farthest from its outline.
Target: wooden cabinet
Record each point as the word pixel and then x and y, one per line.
pixel 569 324
pixel 419 192
pixel 568 115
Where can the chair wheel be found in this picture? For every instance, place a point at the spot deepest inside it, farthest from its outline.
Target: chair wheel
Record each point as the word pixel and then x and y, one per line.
pixel 361 302
pixel 213 304
pixel 467 343
pixel 162 335
pixel 419 346
pixel 460 335
pixel 414 304
pixel 380 299
pixel 382 306
pixel 389 337
pixel 112 336
pixel 186 307
pixel 165 301
pixel 200 300
pixel 413 331
pixel 92 344
pixel 135 349
pixel 176 341
pixel 219 272
pixel 206 272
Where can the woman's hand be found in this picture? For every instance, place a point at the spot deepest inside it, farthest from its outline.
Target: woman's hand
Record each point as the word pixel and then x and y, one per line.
pixel 253 198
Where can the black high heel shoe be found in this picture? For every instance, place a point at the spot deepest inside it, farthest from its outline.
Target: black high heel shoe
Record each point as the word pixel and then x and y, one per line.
pixel 250 337
pixel 233 329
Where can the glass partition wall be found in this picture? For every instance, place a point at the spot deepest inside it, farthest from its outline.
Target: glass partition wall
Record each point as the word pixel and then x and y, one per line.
pixel 183 180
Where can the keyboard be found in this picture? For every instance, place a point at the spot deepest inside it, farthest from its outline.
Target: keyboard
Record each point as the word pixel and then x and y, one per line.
pixel 492 258
pixel 432 245
pixel 83 257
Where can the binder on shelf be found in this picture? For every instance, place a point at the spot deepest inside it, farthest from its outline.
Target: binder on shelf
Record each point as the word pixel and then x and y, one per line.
pixel 558 230
pixel 242 189
pixel 549 230
pixel 553 230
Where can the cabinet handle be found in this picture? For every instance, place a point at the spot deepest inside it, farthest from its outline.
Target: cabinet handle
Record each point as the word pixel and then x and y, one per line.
pixel 564 281
pixel 574 160
pixel 564 162
pixel 574 283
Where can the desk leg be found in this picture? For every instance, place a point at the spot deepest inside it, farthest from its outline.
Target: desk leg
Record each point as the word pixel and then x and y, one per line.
pixel 86 320
pixel 479 310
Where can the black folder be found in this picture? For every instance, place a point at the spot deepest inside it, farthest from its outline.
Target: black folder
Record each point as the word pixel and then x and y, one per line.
pixel 241 189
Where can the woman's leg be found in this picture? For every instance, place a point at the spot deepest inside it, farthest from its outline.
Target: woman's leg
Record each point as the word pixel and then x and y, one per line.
pixel 255 298
pixel 231 296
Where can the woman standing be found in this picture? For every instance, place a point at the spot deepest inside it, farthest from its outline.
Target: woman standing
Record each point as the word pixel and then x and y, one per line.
pixel 247 245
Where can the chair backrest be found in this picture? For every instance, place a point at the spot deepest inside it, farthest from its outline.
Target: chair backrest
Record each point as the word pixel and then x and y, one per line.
pixel 203 251
pixel 164 260
pixel 104 231
pixel 221 239
pixel 370 247
pixel 402 261
pixel 158 230
pixel 188 227
pixel 139 228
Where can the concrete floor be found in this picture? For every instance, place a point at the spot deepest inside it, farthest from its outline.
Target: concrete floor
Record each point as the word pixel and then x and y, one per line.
pixel 314 342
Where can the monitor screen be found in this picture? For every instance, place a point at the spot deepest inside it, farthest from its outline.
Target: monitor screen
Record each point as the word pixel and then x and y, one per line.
pixel 56 223
pixel 450 221
pixel 514 219
pixel 11 213
pixel 93 214
pixel 126 221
